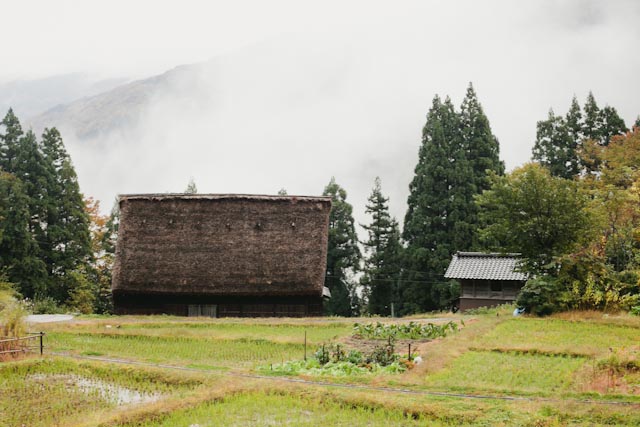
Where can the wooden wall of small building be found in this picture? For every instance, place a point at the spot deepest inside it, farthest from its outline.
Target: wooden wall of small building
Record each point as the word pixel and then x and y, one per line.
pixel 476 293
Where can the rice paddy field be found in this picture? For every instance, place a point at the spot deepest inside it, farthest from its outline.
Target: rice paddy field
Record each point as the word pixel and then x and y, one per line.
pixel 572 370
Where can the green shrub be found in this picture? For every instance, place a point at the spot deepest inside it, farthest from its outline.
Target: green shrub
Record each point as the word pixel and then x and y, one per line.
pixel 82 297
pixel 46 305
pixel 540 296
pixel 355 357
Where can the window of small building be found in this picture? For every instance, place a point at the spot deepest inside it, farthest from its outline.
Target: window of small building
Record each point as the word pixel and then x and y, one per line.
pixel 496 286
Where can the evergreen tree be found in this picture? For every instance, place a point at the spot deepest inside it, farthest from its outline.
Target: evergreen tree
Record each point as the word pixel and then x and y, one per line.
pixel 30 168
pixel 191 187
pixel 383 261
pixel 111 233
pixel 67 242
pixel 612 124
pixel 591 129
pixel 601 125
pixel 9 141
pixel 482 147
pixel 562 144
pixel 574 122
pixel 637 123
pixel 440 215
pixel 555 147
pixel 19 259
pixel 343 254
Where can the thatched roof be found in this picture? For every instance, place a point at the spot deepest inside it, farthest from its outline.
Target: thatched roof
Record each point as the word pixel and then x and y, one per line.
pixel 221 244
pixel 485 266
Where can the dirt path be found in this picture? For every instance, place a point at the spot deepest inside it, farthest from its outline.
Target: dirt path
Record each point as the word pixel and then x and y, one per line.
pixel 48 318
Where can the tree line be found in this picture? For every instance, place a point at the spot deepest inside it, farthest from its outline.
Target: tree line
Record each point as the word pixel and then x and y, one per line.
pixel 54 245
pixel 404 270
pixel 573 214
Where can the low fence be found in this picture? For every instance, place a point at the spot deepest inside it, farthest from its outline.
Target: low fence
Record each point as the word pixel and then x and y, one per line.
pixel 13 346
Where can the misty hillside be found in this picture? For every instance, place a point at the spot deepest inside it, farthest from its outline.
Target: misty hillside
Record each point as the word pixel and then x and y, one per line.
pixel 32 97
pixel 116 109
pixel 291 112
pixel 270 77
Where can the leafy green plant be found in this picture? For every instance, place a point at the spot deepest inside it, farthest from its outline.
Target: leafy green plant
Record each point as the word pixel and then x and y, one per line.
pixel 411 330
pixel 383 355
pixel 332 369
pixel 355 357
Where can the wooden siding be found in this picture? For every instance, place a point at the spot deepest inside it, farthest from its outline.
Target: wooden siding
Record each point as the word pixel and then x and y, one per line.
pixel 488 293
pixel 210 306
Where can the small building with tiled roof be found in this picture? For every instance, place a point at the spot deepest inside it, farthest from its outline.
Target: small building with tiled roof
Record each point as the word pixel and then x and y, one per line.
pixel 486 279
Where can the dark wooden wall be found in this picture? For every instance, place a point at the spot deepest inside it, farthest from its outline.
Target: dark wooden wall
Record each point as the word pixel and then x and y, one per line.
pixel 224 306
pixel 487 293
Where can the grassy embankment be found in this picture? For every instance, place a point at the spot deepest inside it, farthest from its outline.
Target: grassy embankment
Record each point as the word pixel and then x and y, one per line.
pixel 552 363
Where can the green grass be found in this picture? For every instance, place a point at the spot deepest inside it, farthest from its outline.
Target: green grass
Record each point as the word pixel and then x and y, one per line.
pixel 211 353
pixel 261 409
pixel 507 373
pixel 560 336
pixel 46 392
pixel 281 333
pixel 550 358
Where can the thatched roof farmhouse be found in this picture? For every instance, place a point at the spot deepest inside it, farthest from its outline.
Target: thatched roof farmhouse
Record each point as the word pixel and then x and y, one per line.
pixel 221 255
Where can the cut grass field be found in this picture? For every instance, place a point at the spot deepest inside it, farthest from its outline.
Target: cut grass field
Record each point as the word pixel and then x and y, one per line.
pixel 569 371
pixel 561 336
pixel 508 373
pixel 276 332
pixel 189 352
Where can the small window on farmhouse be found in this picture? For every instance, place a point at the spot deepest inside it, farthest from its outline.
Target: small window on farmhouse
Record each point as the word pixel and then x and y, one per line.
pixel 203 310
pixel 496 286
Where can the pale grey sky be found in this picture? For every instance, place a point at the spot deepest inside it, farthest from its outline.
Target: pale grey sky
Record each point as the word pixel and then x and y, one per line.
pixel 346 91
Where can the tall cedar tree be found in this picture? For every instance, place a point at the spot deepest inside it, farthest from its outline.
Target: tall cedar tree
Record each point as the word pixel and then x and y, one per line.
pixel 383 250
pixel 9 141
pixel 482 151
pixel 343 254
pixel 67 245
pixel 561 141
pixel 22 258
pixel 555 146
pixel 19 260
pixel 56 220
pixel 458 153
pixel 440 205
pixel 482 147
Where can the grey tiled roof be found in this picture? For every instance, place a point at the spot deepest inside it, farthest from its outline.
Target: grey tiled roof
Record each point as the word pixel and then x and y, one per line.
pixel 487 266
